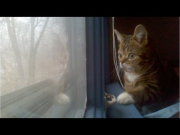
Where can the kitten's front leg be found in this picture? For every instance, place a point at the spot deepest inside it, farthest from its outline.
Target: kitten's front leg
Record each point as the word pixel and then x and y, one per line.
pixel 135 95
pixel 125 98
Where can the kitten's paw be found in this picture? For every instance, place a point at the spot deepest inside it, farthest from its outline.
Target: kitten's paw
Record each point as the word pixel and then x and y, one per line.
pixel 109 99
pixel 125 98
pixel 63 99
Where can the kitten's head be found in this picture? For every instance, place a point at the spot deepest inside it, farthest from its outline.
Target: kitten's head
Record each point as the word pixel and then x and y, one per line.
pixel 133 51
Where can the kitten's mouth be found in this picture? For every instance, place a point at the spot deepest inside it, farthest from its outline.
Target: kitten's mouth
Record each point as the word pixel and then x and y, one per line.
pixel 126 68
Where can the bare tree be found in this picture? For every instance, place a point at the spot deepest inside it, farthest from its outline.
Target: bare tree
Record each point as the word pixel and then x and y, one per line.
pixel 34 47
pixel 31 50
pixel 13 39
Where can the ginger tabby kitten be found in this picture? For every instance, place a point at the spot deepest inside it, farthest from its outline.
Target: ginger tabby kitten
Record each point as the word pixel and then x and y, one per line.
pixel 146 78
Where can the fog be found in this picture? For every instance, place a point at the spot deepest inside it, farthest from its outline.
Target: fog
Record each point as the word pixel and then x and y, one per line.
pixel 32 49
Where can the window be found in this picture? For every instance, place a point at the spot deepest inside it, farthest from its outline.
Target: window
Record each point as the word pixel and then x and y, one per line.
pixel 43 67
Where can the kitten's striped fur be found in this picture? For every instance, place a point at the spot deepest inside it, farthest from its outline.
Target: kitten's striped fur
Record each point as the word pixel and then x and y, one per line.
pixel 145 78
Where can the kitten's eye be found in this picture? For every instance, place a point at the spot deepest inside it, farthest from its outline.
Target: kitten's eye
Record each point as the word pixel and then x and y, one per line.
pixel 131 56
pixel 120 55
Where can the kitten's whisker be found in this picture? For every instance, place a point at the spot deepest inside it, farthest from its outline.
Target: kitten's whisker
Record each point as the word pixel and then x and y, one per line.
pixel 120 72
pixel 114 73
pixel 115 59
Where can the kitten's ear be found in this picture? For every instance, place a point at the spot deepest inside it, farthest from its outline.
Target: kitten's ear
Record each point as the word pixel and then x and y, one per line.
pixel 140 34
pixel 120 37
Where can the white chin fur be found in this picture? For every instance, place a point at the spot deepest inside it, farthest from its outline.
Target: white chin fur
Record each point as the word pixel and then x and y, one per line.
pixel 125 98
pixel 131 77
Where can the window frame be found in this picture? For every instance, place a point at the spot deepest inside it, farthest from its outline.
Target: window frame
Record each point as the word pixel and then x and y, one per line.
pixel 97 40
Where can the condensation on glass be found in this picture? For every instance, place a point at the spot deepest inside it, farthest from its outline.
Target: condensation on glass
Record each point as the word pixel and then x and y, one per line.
pixel 35 49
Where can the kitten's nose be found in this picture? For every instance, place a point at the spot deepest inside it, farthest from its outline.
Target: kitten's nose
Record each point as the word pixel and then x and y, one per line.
pixel 123 60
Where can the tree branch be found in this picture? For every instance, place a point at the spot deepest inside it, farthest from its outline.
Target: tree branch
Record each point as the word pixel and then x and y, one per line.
pixel 41 34
pixel 12 35
pixel 32 33
pixel 8 26
pixel 37 22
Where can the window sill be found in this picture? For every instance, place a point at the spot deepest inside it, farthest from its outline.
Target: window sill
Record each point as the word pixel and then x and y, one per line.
pixel 35 100
pixel 94 112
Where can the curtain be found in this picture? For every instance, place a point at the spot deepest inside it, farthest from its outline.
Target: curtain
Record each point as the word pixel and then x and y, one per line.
pixel 97 65
pixel 43 67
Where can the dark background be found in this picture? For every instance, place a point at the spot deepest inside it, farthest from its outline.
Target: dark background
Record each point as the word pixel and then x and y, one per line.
pixel 163 30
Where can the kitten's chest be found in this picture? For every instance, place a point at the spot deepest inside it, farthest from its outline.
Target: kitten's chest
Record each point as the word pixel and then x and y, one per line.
pixel 131 77
pixel 130 80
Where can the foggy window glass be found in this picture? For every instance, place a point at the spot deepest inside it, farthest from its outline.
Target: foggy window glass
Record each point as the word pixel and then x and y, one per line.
pixel 32 49
pixel 42 67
